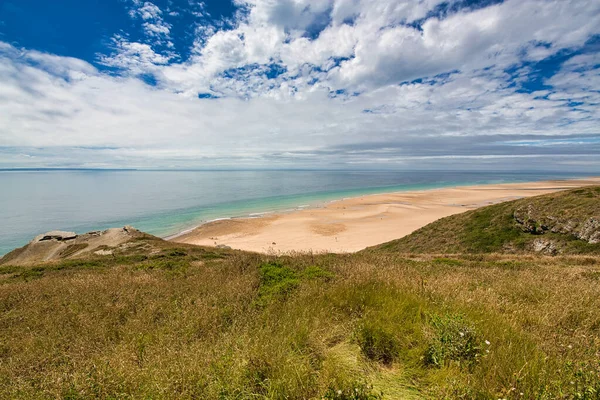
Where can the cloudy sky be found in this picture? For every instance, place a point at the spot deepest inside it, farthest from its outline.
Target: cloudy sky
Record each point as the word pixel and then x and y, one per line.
pixel 484 84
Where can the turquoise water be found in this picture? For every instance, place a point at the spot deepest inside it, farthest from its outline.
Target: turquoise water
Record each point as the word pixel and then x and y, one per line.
pixel 166 202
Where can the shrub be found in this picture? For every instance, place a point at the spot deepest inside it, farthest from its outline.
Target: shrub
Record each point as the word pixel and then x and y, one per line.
pixel 454 339
pixel 276 280
pixel 377 343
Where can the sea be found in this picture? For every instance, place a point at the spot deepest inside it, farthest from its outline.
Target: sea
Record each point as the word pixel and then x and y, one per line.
pixel 165 203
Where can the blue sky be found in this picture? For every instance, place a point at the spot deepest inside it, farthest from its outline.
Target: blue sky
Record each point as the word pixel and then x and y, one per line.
pixel 300 84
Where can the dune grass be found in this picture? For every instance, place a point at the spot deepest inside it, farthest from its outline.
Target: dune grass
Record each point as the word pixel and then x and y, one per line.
pixel 192 323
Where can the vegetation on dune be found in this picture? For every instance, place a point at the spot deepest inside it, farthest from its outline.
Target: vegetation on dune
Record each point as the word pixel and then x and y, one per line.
pixel 562 222
pixel 160 320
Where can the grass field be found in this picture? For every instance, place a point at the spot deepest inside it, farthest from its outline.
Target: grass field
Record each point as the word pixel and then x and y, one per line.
pixel 187 322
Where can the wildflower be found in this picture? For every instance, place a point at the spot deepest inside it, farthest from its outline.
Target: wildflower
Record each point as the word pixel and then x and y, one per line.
pixel 487 342
pixel 339 392
pixel 570 346
pixel 461 334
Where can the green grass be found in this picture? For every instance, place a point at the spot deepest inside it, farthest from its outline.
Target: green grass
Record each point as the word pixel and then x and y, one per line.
pixel 276 281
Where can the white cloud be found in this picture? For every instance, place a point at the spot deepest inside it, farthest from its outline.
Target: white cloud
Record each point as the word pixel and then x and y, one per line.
pixel 148 11
pixel 498 36
pixel 54 103
pixel 137 58
pixel 156 29
pixel 378 44
pixel 153 23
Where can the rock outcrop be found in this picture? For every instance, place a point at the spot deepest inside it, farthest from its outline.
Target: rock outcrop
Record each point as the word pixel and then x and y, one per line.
pixel 545 247
pixel 536 222
pixel 57 245
pixel 590 231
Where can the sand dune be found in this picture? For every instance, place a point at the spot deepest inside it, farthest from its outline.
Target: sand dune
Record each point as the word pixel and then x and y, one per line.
pixel 353 224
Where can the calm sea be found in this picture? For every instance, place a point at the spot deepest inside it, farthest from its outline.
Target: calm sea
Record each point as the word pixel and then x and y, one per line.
pixel 166 202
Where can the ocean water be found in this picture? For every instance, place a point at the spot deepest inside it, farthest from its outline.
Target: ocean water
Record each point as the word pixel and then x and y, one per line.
pixel 166 202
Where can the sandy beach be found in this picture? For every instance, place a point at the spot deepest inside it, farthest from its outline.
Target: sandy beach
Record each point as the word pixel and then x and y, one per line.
pixel 353 224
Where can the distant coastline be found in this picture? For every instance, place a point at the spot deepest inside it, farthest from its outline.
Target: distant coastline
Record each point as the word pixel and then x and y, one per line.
pixel 65 169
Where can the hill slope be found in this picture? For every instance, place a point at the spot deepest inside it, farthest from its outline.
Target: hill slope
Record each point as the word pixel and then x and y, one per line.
pixel 564 222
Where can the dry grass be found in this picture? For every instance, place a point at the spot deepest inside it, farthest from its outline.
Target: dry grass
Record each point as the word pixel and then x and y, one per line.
pixel 191 323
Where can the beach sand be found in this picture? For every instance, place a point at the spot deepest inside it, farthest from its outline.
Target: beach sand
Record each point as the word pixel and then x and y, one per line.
pixel 353 224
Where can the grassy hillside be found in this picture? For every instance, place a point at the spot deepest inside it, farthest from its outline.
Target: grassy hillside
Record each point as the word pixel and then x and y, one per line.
pixel 564 222
pixel 158 320
pixel 193 323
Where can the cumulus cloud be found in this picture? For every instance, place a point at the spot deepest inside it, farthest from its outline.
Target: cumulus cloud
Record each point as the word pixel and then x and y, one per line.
pixel 362 45
pixel 142 57
pixel 153 24
pixel 318 83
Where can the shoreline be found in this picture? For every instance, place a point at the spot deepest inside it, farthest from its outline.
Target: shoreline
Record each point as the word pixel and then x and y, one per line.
pixel 347 195
pixel 321 203
pixel 350 224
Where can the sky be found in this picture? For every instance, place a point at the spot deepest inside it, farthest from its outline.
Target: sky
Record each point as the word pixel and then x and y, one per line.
pixel 342 84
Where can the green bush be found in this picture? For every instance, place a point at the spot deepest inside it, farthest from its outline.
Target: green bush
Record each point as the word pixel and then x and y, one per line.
pixel 276 280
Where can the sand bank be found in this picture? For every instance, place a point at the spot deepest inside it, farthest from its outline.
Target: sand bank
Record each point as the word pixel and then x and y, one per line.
pixel 350 225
